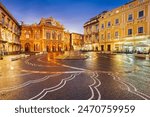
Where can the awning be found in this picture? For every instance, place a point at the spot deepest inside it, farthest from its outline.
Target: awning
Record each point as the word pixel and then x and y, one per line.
pixel 128 44
pixel 142 45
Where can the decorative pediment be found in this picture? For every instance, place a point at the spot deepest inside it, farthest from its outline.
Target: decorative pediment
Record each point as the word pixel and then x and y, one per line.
pixel 50 22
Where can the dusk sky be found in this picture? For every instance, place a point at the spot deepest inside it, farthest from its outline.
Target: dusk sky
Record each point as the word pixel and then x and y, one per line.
pixel 71 13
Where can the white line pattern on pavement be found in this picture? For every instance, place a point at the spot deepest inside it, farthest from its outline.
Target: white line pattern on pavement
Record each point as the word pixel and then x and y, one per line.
pixel 44 92
pixel 94 86
pixel 131 88
pixel 27 83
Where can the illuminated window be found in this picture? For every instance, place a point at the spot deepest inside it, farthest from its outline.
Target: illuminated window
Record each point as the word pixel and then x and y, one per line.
pixel 117 11
pixel 27 35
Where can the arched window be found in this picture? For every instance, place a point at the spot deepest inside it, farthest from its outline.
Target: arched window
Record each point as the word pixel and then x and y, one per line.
pixel 59 36
pixel 54 35
pixel 49 23
pixel 37 35
pixel 48 35
pixel 27 34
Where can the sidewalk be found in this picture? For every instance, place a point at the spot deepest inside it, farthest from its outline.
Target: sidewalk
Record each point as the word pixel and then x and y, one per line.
pixel 13 57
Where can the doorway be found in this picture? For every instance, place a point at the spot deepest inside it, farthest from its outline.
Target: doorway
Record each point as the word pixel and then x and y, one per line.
pixel 27 47
pixel 108 47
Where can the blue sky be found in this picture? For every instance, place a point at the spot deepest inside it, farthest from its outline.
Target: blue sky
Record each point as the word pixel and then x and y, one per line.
pixel 71 13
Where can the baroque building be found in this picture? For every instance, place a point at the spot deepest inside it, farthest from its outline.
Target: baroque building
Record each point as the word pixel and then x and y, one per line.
pixel 47 36
pixel 123 29
pixel 9 32
pixel 91 33
pixel 126 28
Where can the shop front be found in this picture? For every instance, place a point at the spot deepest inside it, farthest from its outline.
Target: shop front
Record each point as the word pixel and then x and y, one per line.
pixel 128 48
pixel 143 48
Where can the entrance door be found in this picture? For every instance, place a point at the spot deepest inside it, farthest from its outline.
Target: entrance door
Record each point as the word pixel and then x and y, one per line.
pixel 47 48
pixel 102 47
pixel 53 48
pixel 108 47
pixel 27 47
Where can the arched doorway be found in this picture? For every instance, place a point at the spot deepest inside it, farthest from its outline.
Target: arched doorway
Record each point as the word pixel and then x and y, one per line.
pixel 27 47
pixel 96 48
pixel 47 49
pixel 36 47
pixel 53 48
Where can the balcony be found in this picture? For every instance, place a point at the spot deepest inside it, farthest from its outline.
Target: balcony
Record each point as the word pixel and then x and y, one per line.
pixel 96 31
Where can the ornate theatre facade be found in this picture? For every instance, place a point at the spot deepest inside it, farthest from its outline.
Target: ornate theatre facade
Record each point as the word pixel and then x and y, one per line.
pixel 47 36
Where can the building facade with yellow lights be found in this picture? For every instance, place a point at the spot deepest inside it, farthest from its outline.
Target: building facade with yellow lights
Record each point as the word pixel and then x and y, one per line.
pixel 77 41
pixel 47 36
pixel 91 33
pixel 126 28
pixel 9 32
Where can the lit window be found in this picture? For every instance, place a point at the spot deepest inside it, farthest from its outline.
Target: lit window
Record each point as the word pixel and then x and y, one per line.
pixel 141 14
pixel 129 31
pixel 27 35
pixel 117 11
pixel 130 17
pixel 140 30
